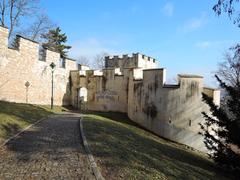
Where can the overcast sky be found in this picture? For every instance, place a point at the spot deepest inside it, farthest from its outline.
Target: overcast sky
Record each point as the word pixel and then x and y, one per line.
pixel 185 36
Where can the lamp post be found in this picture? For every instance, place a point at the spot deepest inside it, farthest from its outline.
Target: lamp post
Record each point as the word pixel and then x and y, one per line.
pixel 52 65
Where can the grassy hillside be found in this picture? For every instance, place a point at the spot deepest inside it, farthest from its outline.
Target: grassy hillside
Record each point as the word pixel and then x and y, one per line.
pixel 14 116
pixel 124 151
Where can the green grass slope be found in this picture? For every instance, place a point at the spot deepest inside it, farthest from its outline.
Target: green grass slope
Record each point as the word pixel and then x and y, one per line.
pixel 14 117
pixel 124 151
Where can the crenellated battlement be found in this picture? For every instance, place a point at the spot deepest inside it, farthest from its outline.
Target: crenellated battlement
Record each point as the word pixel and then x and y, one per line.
pixel 155 76
pixel 136 60
pixel 133 55
pixel 27 47
pixel 158 77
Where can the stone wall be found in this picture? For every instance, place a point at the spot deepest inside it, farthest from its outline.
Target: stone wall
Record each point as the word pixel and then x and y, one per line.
pixel 23 64
pixel 106 91
pixel 171 111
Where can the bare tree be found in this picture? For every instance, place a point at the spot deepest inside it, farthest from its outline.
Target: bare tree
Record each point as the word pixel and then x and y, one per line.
pixel 99 60
pixel 83 60
pixel 229 70
pixel 2 10
pixel 41 26
pixel 14 10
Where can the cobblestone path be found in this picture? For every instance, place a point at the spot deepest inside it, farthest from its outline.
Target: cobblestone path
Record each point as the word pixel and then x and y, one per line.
pixel 51 149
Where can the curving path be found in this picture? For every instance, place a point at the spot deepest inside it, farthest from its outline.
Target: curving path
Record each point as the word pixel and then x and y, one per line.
pixel 51 149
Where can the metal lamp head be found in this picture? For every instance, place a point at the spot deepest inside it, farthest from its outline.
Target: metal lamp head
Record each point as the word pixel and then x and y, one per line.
pixel 27 84
pixel 52 65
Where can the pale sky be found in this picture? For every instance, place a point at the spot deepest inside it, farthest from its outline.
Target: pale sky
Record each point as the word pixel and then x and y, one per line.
pixel 185 36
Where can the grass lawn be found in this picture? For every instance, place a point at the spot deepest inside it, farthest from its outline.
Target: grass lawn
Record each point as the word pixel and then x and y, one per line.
pixel 124 151
pixel 15 116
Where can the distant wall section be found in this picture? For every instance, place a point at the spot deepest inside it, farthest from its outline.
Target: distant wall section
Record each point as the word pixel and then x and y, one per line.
pixel 107 90
pixel 136 60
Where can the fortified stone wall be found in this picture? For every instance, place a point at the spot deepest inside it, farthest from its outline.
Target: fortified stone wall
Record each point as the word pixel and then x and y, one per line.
pixel 128 84
pixel 171 111
pixel 24 64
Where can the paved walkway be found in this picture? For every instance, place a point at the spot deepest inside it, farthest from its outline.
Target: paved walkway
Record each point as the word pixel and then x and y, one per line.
pixel 51 149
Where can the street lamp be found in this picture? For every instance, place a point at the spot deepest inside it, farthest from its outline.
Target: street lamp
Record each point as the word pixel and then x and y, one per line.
pixel 52 65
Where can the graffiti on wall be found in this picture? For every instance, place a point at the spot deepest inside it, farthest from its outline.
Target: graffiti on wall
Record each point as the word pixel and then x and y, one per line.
pixel 106 95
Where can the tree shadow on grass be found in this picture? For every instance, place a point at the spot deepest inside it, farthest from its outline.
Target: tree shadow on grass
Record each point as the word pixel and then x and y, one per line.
pixel 115 116
pixel 120 147
pixel 53 139
pixel 15 116
pixel 9 129
pixel 26 112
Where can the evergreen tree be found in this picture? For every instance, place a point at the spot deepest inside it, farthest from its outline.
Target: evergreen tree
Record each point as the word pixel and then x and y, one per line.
pixel 221 130
pixel 55 41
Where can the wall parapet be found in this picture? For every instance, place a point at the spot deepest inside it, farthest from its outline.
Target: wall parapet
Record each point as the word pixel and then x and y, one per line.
pixel 160 76
pixel 28 46
pixel 125 56
pixel 134 60
pixel 213 93
pixel 189 76
pixel 174 86
pixel 20 36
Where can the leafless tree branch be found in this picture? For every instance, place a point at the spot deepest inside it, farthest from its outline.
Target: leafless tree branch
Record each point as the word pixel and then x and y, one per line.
pixel 84 61
pixel 99 60
pixel 2 11
pixel 41 25
pixel 229 70
pixel 11 12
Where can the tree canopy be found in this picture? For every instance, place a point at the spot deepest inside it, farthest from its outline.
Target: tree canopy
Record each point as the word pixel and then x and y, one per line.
pixel 221 129
pixel 55 41
pixel 229 70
